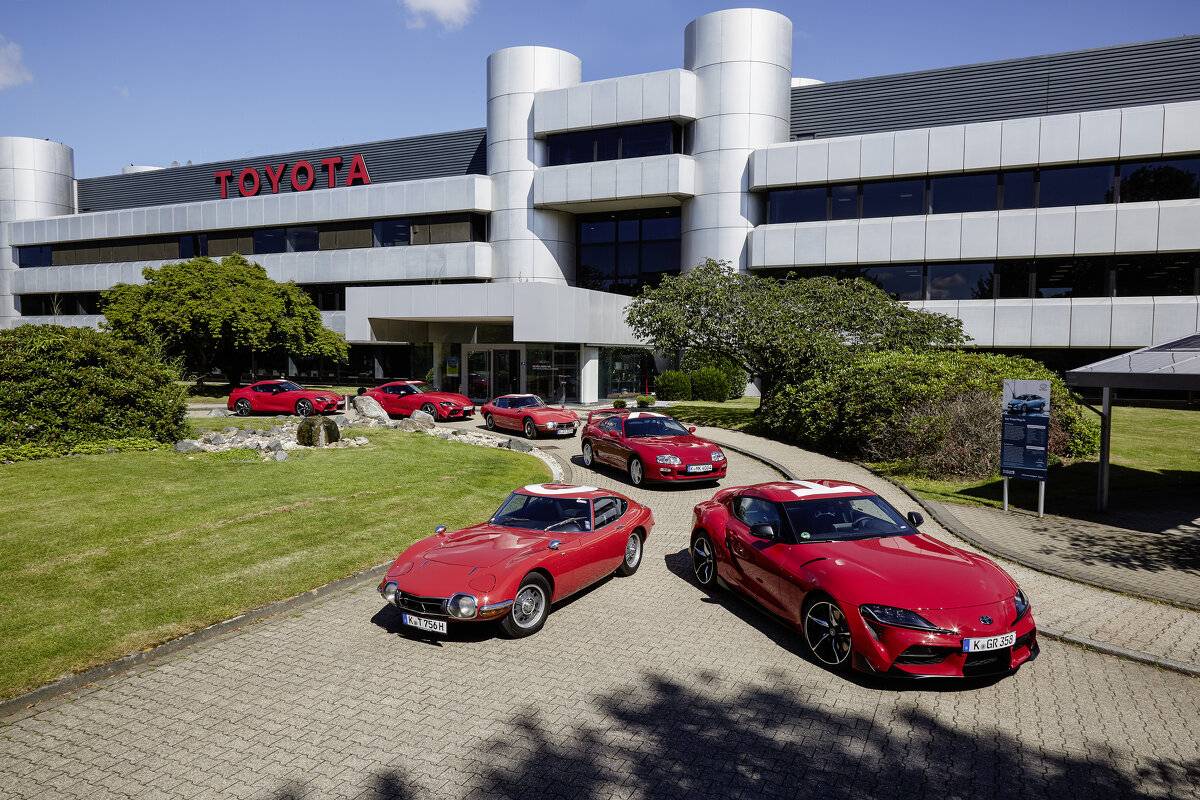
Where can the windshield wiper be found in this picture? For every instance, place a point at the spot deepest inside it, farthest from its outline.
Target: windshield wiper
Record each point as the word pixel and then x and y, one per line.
pixel 554 525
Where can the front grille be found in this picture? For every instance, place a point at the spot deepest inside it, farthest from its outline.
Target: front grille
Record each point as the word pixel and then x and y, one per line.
pixel 987 663
pixel 429 606
pixel 924 654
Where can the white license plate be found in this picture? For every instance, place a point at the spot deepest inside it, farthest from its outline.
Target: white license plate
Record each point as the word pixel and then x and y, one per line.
pixel 469 410
pixel 699 468
pixel 431 625
pixel 982 643
pixel 565 431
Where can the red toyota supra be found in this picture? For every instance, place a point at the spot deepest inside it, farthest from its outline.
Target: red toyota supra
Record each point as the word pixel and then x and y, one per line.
pixel 402 398
pixel 281 397
pixel 529 414
pixel 863 586
pixel 648 446
pixel 545 543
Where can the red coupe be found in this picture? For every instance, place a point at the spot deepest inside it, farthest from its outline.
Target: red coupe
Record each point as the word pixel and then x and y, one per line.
pixel 547 542
pixel 650 447
pixel 529 414
pixel 281 397
pixel 402 398
pixel 860 582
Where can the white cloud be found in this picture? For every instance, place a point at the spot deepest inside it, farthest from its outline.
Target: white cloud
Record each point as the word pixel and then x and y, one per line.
pixel 12 69
pixel 450 14
pixel 123 91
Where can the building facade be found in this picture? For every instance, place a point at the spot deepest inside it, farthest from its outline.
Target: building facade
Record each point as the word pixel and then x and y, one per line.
pixel 1051 203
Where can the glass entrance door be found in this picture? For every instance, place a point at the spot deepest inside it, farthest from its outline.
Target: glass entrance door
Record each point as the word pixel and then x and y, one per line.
pixel 492 372
pixel 506 371
pixel 479 375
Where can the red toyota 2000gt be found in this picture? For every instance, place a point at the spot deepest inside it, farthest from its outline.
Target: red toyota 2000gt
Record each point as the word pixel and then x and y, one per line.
pixel 547 542
pixel 529 414
pixel 281 397
pixel 650 447
pixel 402 398
pixel 860 582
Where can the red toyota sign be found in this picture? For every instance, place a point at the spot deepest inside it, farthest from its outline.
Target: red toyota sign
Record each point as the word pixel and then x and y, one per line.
pixel 302 176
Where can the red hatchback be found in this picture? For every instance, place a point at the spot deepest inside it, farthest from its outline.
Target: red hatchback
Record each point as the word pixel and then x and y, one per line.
pixel 529 414
pixel 648 446
pixel 402 398
pixel 545 543
pixel 281 397
pixel 864 587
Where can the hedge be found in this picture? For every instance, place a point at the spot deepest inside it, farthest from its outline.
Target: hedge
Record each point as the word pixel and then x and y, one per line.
pixel 673 384
pixel 709 383
pixel 735 375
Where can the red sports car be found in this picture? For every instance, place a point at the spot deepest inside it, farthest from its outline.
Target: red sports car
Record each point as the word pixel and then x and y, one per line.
pixel 281 397
pixel 860 582
pixel 530 414
pixel 650 447
pixel 402 398
pixel 547 542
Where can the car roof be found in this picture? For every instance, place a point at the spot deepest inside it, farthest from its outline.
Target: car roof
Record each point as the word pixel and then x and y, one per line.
pixel 809 489
pixel 509 396
pixel 393 383
pixel 631 413
pixel 566 490
pixel 271 380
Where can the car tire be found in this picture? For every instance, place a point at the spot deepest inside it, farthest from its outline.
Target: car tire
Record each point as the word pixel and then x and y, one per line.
pixel 242 407
pixel 429 409
pixel 704 561
pixel 489 421
pixel 633 554
pixel 530 429
pixel 827 633
pixel 637 472
pixel 589 456
pixel 529 609
pixel 304 408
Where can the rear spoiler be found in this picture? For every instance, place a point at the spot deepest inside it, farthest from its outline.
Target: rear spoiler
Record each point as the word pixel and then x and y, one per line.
pixel 601 413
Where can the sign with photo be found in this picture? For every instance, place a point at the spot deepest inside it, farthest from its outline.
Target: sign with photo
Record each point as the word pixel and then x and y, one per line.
pixel 1025 433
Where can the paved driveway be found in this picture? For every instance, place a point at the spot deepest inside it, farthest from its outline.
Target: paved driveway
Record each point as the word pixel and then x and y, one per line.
pixel 643 687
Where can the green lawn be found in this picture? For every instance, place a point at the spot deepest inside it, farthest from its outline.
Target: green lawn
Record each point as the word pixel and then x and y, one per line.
pixel 735 415
pixel 1155 460
pixel 101 556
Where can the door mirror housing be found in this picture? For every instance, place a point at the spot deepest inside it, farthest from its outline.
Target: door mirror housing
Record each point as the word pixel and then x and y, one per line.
pixel 915 519
pixel 691 428
pixel 763 531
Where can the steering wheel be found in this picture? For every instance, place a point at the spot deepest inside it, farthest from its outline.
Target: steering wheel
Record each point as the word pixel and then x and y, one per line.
pixel 864 522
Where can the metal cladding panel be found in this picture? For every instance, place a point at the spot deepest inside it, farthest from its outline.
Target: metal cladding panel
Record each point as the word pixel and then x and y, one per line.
pixel 437 155
pixel 1165 71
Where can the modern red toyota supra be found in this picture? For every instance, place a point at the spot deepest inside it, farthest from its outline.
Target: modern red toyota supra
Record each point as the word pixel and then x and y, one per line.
pixel 281 397
pixel 529 414
pixel 863 586
pixel 648 446
pixel 402 398
pixel 545 543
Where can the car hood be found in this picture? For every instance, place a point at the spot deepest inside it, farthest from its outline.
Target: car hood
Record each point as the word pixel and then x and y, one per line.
pixel 484 545
pixel 313 394
pixel 915 572
pixel 552 415
pixel 676 445
pixel 453 397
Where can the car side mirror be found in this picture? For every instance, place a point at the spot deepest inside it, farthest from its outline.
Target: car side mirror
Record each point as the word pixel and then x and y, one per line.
pixel 763 531
pixel 691 428
pixel 440 530
pixel 915 519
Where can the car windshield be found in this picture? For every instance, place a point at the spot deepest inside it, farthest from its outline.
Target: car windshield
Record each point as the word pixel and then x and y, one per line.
pixel 653 426
pixel 526 402
pixel 559 514
pixel 844 518
pixel 288 386
pixel 419 388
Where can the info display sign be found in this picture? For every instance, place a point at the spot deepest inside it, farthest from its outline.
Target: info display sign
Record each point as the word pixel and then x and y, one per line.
pixel 1026 429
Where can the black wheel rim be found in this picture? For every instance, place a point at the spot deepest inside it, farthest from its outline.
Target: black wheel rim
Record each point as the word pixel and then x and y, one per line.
pixel 242 408
pixel 428 409
pixel 304 408
pixel 827 633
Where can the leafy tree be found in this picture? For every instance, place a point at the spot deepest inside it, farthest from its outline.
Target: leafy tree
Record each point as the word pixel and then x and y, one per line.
pixel 219 314
pixel 780 331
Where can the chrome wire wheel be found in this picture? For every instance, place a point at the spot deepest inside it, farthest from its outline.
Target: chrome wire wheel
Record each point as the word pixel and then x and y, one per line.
pixel 704 563
pixel 530 429
pixel 242 407
pixel 633 551
pixel 827 633
pixel 489 421
pixel 588 456
pixel 529 606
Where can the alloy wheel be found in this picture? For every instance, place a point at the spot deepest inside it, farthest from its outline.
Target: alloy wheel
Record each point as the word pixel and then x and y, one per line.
pixel 529 606
pixel 827 633
pixel 242 408
pixel 304 408
pixel 636 472
pixel 704 563
pixel 430 410
pixel 490 422
pixel 587 454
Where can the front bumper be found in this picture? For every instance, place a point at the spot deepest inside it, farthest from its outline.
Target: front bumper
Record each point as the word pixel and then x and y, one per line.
pixel 437 607
pixel 456 413
pixel 558 428
pixel 923 654
pixel 668 472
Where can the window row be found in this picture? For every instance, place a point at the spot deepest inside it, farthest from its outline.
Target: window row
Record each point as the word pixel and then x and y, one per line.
pixel 621 252
pixel 1045 187
pixel 58 304
pixel 1172 274
pixel 608 144
pixel 296 239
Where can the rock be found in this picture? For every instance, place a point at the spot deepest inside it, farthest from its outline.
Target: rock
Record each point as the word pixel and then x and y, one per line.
pixel 361 440
pixel 340 420
pixel 519 445
pixel 231 430
pixel 188 446
pixel 318 432
pixel 219 412
pixel 280 455
pixel 274 445
pixel 405 425
pixel 423 420
pixel 369 407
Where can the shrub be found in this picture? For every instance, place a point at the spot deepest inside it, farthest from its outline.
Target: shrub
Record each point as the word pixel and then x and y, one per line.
pixel 673 385
pixel 696 359
pixel 645 401
pixel 65 386
pixel 709 383
pixel 619 403
pixel 317 432
pixel 956 435
pixel 32 452
pixel 854 407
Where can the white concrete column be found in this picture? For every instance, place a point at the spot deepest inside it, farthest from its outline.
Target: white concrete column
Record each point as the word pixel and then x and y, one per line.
pixel 37 179
pixel 527 244
pixel 743 64
pixel 439 368
pixel 589 374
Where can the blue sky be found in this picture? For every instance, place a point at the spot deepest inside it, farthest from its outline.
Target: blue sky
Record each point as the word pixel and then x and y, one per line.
pixel 152 81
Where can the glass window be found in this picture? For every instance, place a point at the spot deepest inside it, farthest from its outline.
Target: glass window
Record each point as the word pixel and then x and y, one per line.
pixel 38 255
pixel 901 283
pixel 1150 275
pixel 303 239
pixel 893 198
pixel 843 201
pixel 845 518
pixel 797 205
pixel 955 194
pixel 607 510
pixel 623 252
pixel 756 511
pixel 1018 191
pixel 606 144
pixel 561 514
pixel 1012 279
pixel 654 139
pixel 1075 186
pixel 960 282
pixel 270 240
pixel 391 232
pixel 1083 277
pixel 1164 179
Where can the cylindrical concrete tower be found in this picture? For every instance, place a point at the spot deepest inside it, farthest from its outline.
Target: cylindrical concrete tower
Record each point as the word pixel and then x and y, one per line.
pixel 528 244
pixel 743 62
pixel 37 179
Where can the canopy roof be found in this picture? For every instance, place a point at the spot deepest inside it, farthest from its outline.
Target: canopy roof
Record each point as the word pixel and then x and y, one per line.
pixel 1171 365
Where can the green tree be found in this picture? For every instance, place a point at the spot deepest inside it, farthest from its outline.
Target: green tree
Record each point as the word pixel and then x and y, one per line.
pixel 218 314
pixel 780 331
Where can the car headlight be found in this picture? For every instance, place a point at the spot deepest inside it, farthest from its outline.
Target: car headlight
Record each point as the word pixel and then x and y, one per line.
pixel 551 425
pixel 718 455
pixel 322 399
pixel 899 618
pixel 463 606
pixel 445 404
pixel 668 459
pixel 1022 604
pixel 390 592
